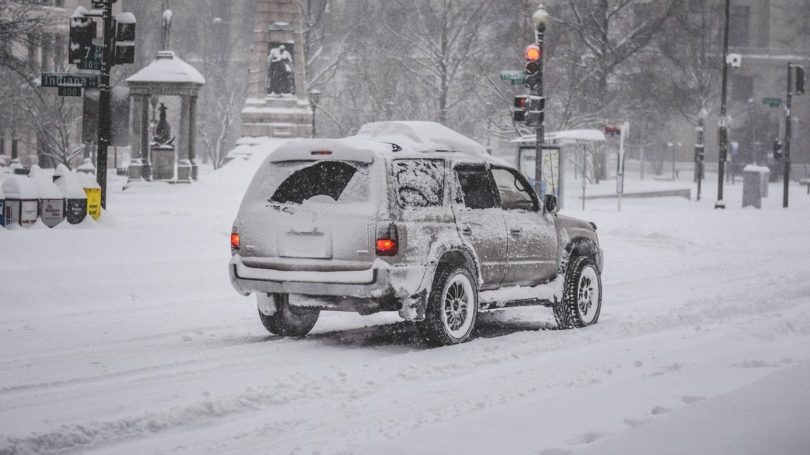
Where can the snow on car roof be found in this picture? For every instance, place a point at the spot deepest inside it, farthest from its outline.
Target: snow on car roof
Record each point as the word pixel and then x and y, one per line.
pixel 386 139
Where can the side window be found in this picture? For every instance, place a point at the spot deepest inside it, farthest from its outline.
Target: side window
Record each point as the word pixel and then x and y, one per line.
pixel 514 193
pixel 476 187
pixel 419 183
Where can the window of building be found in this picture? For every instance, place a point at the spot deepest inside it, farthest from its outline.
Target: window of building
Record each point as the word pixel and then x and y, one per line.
pixel 742 88
pixel 739 34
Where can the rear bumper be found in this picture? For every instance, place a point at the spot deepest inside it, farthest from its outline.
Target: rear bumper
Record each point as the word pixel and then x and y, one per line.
pixel 376 283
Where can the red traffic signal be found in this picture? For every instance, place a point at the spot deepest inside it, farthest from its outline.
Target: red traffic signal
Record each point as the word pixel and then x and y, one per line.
pixel 533 55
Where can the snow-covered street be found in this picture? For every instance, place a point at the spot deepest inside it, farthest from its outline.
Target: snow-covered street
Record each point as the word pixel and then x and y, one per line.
pixel 127 337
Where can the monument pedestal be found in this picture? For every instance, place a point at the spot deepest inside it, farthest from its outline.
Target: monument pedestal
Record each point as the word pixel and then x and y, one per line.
pixel 277 116
pixel 184 171
pixel 163 163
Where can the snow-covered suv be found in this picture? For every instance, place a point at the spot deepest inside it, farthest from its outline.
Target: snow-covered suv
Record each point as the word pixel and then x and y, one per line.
pixel 409 217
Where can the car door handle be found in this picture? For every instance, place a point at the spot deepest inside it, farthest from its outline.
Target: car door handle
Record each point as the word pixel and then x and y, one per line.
pixel 466 230
pixel 515 231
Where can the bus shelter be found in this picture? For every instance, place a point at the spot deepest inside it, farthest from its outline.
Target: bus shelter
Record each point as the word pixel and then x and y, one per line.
pixel 560 148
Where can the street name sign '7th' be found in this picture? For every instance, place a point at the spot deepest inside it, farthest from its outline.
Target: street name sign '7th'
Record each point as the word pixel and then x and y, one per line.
pixel 69 80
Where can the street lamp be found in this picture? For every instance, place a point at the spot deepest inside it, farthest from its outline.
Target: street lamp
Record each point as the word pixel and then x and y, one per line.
pixel 540 19
pixel 314 99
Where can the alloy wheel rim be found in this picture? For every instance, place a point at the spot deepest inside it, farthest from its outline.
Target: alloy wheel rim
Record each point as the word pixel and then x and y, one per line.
pixel 458 306
pixel 588 295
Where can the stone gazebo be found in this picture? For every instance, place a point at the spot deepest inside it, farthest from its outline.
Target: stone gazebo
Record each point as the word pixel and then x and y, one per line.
pixel 167 75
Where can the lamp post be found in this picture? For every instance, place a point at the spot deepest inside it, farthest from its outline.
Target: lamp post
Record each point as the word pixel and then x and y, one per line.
pixel 314 99
pixel 672 147
pixel 540 19
pixel 700 149
pixel 723 130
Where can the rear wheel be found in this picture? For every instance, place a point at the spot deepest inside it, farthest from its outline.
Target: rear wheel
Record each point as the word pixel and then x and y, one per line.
pixel 452 308
pixel 582 296
pixel 287 321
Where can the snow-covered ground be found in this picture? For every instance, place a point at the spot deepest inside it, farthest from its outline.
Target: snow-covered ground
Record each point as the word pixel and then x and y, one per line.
pixel 126 337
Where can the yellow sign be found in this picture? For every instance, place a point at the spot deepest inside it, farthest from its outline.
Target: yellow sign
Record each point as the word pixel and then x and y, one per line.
pixel 93 202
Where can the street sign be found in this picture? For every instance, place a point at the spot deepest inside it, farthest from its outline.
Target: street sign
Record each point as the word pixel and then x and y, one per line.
pixel 70 90
pixel 69 79
pixel 772 102
pixel 513 75
pixel 91 58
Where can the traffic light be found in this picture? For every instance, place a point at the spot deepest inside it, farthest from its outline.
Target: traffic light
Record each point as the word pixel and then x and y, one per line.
pixel 82 33
pixel 798 79
pixel 533 56
pixel 124 38
pixel 777 149
pixel 519 108
pixel 536 111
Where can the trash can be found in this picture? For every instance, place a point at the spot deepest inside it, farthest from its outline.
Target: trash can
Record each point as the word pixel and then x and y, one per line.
pixel 51 201
pixel 22 201
pixel 75 197
pixel 93 192
pixel 753 185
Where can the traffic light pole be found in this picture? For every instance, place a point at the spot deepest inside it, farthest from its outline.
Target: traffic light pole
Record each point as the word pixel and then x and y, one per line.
pixel 537 91
pixel 104 109
pixel 788 131
pixel 723 130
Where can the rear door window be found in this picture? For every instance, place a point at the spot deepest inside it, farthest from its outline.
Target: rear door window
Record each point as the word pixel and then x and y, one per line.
pixel 419 182
pixel 476 187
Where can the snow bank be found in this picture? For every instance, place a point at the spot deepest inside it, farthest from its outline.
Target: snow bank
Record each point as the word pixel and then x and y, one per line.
pixel 17 187
pixel 44 184
pixel 68 183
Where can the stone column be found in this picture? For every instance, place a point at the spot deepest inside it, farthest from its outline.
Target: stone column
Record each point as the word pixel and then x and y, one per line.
pixel 183 163
pixel 146 152
pixel 135 171
pixel 192 136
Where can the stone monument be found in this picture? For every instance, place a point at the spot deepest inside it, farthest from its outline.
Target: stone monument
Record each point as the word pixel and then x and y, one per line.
pixel 277 105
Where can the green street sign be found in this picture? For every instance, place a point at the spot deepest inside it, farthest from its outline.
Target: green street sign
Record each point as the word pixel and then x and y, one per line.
pixel 513 75
pixel 91 58
pixel 69 79
pixel 70 90
pixel 772 102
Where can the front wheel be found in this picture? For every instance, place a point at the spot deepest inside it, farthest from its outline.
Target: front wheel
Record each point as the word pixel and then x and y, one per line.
pixel 452 308
pixel 582 295
pixel 286 320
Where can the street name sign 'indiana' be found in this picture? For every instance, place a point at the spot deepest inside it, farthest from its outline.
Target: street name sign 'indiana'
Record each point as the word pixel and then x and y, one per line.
pixel 84 80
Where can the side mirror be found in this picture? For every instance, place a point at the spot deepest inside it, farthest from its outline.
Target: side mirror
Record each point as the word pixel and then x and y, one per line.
pixel 550 204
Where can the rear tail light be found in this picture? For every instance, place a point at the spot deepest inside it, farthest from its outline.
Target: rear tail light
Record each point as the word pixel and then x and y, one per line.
pixel 234 239
pixel 388 242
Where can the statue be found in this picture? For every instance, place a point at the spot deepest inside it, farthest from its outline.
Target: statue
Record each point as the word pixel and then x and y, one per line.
pixel 163 132
pixel 280 73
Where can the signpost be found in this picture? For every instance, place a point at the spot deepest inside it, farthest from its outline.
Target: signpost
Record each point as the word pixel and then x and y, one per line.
pixel 517 77
pixel 772 102
pixel 91 58
pixel 84 80
pixel 70 90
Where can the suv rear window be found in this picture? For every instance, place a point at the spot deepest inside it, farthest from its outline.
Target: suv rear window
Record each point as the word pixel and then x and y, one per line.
pixel 419 182
pixel 340 181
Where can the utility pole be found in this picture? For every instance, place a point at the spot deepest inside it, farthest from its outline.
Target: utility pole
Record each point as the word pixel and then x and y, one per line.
pixel 788 134
pixel 104 110
pixel 723 129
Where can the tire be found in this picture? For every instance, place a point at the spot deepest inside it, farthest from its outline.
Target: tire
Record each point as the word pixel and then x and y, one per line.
pixel 289 321
pixel 582 295
pixel 452 308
